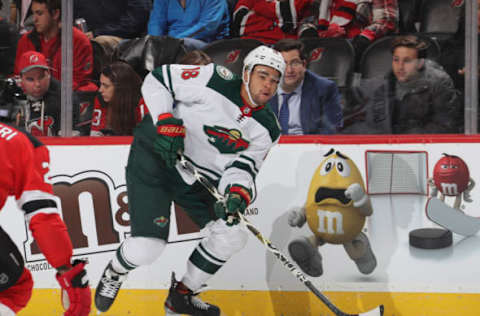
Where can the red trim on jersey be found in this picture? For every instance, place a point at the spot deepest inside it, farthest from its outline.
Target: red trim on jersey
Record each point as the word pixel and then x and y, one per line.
pixel 247 105
pixel 368 34
pixel 52 238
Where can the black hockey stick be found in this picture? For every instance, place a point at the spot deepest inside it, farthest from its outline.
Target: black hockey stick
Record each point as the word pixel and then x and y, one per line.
pixel 187 165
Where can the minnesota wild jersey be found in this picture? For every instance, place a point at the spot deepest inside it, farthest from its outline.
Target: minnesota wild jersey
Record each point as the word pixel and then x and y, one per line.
pixel 225 138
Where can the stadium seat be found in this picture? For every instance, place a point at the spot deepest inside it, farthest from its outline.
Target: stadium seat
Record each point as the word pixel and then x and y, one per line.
pixel 146 53
pixel 231 52
pixel 8 45
pixel 377 58
pixel 332 58
pixel 408 10
pixel 82 116
pixel 100 59
pixel 438 16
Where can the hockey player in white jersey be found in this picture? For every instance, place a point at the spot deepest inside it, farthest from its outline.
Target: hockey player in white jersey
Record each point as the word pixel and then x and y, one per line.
pixel 222 125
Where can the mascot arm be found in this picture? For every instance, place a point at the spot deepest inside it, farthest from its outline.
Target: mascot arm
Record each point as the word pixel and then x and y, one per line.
pixel 466 193
pixel 360 199
pixel 433 188
pixel 296 216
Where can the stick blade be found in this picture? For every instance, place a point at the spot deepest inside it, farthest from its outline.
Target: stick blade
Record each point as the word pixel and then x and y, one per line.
pixel 451 219
pixel 378 311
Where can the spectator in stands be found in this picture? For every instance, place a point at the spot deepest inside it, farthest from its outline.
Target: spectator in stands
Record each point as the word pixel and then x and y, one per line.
pixel 40 115
pixel 198 22
pixel 361 21
pixel 8 10
pixel 195 57
pixel 453 53
pixel 269 21
pixel 119 106
pixel 416 97
pixel 110 21
pixel 46 38
pixel 8 43
pixel 305 102
pixel 5 10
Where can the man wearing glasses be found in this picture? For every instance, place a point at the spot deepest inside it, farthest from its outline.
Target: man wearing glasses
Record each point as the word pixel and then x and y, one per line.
pixel 305 102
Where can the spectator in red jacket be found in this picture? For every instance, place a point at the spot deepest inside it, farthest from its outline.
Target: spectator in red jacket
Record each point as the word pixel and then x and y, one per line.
pixel 119 106
pixel 360 20
pixel 41 112
pixel 46 38
pixel 269 20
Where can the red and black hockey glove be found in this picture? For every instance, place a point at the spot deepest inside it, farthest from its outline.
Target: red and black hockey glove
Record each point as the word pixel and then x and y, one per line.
pixel 237 198
pixel 170 137
pixel 334 30
pixel 76 295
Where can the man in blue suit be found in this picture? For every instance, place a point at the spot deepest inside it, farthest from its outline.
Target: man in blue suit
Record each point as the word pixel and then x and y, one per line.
pixel 305 103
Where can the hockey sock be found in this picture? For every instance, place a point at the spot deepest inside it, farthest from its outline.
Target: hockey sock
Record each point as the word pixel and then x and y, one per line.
pixel 137 251
pixel 202 264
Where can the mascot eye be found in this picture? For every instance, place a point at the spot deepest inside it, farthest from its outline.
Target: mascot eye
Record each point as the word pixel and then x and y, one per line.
pixel 444 166
pixel 327 167
pixel 343 167
pixel 454 166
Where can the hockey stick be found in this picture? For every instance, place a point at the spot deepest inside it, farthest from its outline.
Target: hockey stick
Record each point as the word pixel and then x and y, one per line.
pixel 452 219
pixel 378 311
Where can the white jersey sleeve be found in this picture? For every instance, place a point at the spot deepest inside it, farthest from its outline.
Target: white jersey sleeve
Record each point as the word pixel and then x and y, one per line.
pixel 170 83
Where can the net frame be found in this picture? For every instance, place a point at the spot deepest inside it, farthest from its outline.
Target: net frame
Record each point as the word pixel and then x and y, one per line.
pixel 401 182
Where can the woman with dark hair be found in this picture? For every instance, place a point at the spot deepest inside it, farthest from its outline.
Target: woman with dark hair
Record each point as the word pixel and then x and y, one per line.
pixel 119 105
pixel 195 57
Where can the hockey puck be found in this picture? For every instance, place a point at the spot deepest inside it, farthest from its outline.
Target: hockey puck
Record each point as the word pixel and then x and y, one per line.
pixel 430 238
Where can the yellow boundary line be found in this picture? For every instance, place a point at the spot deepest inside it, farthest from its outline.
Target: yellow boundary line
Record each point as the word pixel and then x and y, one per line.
pixel 264 303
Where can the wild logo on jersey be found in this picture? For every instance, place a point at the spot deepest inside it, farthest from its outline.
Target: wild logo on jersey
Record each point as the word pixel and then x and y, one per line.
pixel 227 141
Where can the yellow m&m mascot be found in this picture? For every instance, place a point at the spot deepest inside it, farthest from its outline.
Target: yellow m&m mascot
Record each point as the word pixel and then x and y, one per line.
pixel 335 211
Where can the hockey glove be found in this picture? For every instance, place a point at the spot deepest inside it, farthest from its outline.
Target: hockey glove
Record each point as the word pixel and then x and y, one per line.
pixel 307 30
pixel 169 139
pixel 236 201
pixel 334 30
pixel 76 295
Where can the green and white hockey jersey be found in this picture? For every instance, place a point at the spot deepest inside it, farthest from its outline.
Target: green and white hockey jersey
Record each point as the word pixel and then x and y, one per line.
pixel 225 138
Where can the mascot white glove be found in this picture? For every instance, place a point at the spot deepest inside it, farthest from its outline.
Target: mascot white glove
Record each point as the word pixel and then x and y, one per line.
pixel 356 193
pixel 296 217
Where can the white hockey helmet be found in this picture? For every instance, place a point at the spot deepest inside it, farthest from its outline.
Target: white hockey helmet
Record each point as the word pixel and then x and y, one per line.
pixel 262 55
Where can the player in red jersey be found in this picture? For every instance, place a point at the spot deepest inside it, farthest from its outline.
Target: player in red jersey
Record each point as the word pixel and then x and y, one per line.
pixel 24 167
